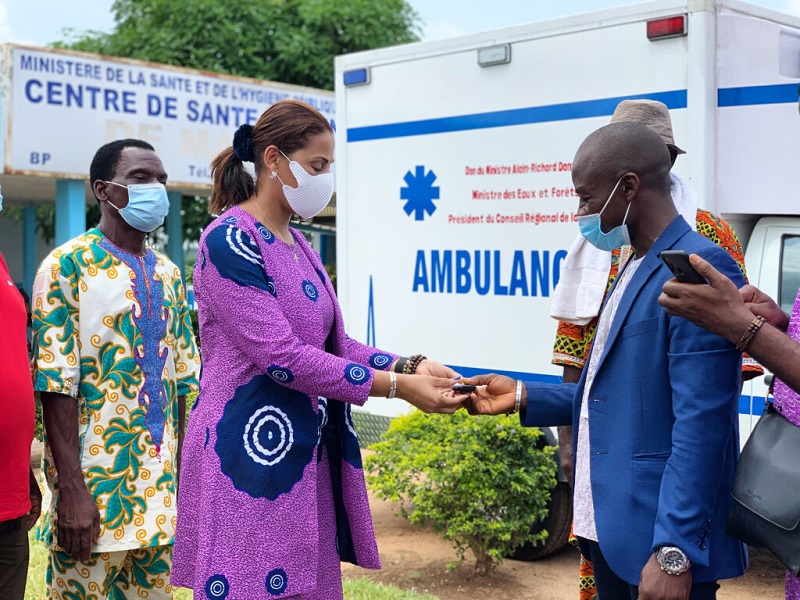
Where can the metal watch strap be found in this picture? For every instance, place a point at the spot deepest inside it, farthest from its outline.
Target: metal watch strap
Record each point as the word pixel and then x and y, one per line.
pixel 673 560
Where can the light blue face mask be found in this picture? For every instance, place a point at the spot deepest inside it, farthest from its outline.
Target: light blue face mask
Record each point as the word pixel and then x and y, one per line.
pixel 147 207
pixel 591 229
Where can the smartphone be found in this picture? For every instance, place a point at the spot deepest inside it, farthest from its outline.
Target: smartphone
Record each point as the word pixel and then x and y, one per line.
pixel 678 263
pixel 462 388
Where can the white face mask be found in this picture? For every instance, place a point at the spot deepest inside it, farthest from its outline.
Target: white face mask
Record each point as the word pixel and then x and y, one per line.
pixel 313 192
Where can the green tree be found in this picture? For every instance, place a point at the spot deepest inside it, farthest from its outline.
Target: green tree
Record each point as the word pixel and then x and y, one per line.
pixel 291 41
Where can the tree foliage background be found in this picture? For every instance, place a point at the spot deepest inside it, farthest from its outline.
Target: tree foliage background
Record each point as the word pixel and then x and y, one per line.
pixel 289 41
pixel 292 41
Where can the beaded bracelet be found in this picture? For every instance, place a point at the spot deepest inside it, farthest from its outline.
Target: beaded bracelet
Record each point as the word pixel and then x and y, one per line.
pixel 392 385
pixel 413 362
pixel 750 333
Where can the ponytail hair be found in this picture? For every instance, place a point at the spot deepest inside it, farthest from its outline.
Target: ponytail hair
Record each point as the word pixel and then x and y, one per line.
pixel 288 125
pixel 232 183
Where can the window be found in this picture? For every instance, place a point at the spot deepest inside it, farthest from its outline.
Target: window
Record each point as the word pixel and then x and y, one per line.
pixel 790 272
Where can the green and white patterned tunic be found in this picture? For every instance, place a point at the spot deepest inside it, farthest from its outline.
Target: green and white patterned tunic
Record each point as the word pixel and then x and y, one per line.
pixel 113 331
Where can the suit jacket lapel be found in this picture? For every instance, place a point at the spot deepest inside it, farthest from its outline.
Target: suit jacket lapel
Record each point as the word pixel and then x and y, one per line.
pixel 650 264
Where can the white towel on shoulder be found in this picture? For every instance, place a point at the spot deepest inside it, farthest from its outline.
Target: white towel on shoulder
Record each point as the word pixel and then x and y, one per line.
pixel 584 274
pixel 582 283
pixel 685 200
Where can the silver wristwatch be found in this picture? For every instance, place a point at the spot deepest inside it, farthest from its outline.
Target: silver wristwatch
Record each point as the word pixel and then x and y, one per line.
pixel 672 560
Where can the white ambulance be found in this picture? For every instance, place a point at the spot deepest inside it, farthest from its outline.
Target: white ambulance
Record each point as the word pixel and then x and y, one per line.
pixel 454 192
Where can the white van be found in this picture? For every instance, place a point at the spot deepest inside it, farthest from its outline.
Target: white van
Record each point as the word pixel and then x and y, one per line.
pixel 454 192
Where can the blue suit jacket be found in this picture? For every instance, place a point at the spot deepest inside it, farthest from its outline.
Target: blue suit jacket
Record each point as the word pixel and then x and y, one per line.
pixel 664 425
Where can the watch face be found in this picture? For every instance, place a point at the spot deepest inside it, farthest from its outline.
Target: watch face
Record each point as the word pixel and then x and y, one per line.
pixel 673 561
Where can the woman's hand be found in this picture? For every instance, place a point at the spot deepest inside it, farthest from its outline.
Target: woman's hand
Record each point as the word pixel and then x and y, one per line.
pixel 429 394
pixel 435 369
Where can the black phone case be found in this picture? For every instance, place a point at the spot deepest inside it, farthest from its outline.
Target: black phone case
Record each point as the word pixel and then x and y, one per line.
pixel 678 262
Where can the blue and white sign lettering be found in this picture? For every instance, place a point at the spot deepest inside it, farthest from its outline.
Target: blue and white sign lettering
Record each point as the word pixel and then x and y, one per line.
pixel 62 106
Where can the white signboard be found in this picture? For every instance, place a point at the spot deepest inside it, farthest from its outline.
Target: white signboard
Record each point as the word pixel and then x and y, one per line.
pixel 63 106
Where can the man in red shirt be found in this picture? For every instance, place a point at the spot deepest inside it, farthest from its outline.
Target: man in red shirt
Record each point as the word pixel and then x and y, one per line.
pixel 20 498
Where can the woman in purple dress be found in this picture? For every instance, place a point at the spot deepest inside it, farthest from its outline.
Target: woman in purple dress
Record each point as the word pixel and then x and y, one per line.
pixel 272 492
pixel 751 319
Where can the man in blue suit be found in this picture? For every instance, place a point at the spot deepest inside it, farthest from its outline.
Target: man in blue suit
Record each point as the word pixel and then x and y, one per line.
pixel 655 413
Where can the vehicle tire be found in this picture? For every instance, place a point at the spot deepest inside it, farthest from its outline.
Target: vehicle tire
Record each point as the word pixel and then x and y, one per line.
pixel 558 524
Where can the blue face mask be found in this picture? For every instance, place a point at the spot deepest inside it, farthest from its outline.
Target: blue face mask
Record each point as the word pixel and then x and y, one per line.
pixel 591 229
pixel 147 207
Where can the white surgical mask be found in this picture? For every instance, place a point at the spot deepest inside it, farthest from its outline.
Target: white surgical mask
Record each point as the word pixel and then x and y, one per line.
pixel 313 192
pixel 147 207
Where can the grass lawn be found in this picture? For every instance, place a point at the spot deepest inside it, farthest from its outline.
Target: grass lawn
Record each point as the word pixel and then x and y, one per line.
pixel 354 589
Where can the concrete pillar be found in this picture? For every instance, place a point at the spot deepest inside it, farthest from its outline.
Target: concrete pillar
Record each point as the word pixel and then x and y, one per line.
pixel 70 209
pixel 328 251
pixel 28 247
pixel 323 247
pixel 175 231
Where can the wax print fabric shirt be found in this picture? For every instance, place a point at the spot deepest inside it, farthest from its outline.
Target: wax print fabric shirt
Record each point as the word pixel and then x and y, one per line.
pixel 573 342
pixel 112 330
pixel 271 447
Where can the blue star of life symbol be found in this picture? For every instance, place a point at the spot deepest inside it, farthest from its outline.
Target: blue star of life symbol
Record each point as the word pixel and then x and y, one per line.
pixel 419 193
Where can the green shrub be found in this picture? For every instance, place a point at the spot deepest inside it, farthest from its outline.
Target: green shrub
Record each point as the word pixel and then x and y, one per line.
pixel 39 432
pixel 191 398
pixel 331 270
pixel 480 482
pixel 195 326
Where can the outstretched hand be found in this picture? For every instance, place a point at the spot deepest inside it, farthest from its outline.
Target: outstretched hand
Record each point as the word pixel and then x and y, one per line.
pixel 717 307
pixel 430 394
pixel 435 369
pixel 495 394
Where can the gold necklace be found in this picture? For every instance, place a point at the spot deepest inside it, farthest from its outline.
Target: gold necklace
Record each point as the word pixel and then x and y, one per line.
pixel 275 230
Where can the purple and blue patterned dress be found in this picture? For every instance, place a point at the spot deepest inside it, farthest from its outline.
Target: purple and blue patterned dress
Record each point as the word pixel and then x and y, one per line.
pixel 272 492
pixel 787 401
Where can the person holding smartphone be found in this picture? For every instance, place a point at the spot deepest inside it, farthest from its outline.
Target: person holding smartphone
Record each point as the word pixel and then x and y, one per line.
pixel 748 317
pixel 655 413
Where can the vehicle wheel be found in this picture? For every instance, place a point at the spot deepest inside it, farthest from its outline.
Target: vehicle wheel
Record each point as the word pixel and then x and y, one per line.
pixel 558 524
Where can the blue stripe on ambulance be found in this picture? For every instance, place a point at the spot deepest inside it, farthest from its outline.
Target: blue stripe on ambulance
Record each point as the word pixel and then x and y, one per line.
pixel 602 107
